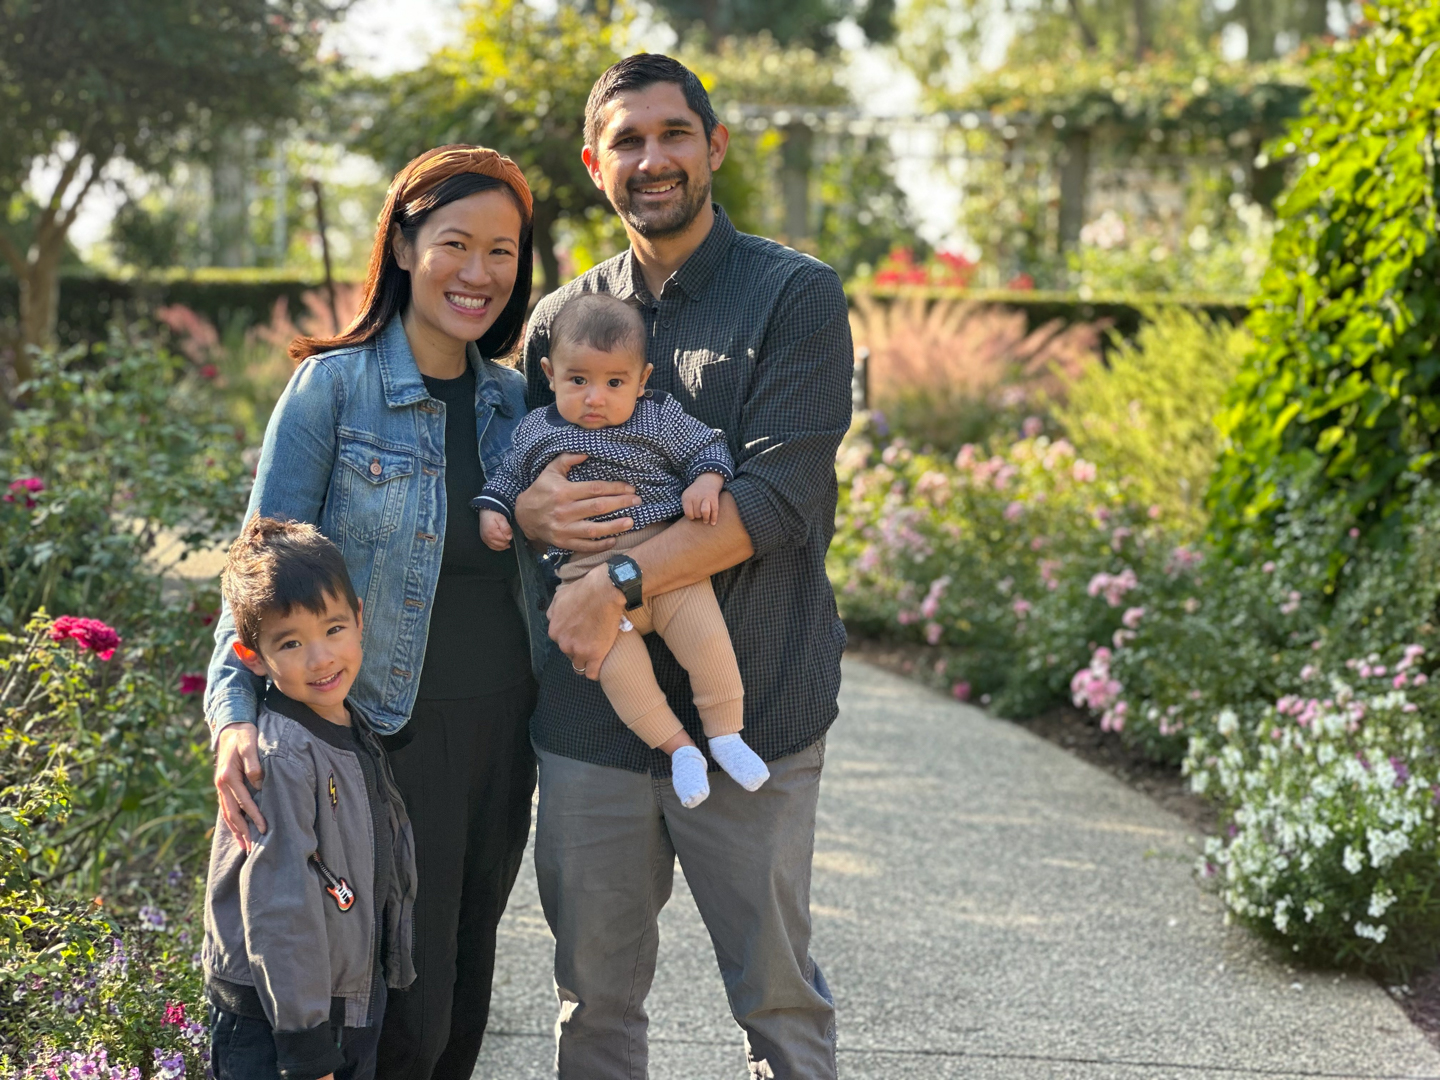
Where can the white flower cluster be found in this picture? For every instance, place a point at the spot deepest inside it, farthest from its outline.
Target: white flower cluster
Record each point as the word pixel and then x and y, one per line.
pixel 1326 794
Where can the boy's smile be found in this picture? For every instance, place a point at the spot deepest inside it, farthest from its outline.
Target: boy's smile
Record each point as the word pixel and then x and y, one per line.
pixel 313 658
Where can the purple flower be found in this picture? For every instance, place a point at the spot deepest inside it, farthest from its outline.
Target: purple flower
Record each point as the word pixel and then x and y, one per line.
pixel 152 918
pixel 1402 771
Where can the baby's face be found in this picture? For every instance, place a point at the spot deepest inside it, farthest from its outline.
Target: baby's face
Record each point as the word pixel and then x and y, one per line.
pixel 596 389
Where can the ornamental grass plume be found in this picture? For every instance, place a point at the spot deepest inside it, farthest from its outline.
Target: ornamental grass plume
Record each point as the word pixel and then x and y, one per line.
pixel 87 633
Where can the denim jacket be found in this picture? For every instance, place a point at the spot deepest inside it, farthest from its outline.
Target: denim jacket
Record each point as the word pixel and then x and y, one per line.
pixel 357 447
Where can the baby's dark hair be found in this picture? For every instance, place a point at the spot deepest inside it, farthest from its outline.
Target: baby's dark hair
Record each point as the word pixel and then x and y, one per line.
pixel 275 566
pixel 600 321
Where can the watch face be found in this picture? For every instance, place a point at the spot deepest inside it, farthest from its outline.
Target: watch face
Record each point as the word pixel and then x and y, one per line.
pixel 625 572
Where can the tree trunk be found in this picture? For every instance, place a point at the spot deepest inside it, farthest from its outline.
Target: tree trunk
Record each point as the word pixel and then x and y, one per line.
pixel 1259 30
pixel 1142 28
pixel 39 306
pixel 1314 19
pixel 1074 187
pixel 546 213
pixel 795 157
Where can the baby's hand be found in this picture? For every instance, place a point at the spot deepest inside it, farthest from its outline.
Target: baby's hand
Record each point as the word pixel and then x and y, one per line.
pixel 495 530
pixel 701 499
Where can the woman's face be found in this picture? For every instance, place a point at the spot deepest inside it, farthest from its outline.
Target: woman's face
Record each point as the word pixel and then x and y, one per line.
pixel 462 265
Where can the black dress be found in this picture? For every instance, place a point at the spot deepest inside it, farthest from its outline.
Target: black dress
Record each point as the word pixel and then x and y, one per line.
pixel 467 771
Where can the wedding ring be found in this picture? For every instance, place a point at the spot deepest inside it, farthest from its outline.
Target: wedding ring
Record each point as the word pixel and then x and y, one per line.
pixel 578 670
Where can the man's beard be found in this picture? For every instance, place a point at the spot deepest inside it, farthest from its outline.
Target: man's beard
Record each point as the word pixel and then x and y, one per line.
pixel 661 223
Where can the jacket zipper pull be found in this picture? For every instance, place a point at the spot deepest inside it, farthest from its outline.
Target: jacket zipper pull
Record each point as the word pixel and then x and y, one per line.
pixel 337 887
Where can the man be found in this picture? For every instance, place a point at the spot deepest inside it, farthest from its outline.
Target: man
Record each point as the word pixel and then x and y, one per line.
pixel 753 339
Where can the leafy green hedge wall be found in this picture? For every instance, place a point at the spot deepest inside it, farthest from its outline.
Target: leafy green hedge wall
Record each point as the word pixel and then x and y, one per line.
pixel 90 302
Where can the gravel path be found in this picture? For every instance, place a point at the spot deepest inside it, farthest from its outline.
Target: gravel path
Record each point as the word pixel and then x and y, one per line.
pixel 988 906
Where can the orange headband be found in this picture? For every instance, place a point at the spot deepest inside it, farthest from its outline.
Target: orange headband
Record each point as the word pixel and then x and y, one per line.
pixel 438 165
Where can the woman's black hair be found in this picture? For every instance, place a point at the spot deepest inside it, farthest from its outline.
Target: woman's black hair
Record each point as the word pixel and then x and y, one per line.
pixel 388 290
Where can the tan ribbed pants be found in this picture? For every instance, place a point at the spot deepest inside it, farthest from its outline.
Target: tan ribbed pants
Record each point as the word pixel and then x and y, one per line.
pixel 690 622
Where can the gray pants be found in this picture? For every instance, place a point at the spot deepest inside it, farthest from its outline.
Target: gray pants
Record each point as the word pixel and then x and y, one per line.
pixel 605 847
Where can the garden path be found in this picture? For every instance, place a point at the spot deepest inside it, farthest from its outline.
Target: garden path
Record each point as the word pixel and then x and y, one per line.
pixel 988 906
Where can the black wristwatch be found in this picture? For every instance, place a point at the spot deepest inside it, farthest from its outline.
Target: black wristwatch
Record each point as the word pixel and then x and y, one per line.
pixel 625 576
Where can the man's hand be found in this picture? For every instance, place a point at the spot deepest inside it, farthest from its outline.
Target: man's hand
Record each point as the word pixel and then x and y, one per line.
pixel 585 620
pixel 555 512
pixel 701 499
pixel 237 759
pixel 495 530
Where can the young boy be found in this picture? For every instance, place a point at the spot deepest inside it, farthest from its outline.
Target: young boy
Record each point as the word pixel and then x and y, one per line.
pixel 308 922
pixel 677 465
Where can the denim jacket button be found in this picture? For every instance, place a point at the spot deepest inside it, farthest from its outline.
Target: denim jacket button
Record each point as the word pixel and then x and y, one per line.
pixel 375 467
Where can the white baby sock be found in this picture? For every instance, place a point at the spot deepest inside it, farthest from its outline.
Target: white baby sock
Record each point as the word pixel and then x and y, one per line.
pixel 688 769
pixel 736 758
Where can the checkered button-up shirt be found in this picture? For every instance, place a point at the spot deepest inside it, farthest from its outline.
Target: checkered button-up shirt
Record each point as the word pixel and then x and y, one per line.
pixel 753 339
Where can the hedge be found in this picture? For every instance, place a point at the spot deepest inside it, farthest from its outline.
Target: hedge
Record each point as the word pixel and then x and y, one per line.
pixel 1124 311
pixel 88 301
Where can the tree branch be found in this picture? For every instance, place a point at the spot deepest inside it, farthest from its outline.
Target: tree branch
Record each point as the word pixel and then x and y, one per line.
pixel 68 216
pixel 1086 34
pixel 52 207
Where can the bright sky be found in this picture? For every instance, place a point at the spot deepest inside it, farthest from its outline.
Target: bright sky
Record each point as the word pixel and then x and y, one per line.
pixel 384 36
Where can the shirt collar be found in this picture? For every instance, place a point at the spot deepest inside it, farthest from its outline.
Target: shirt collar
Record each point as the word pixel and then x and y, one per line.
pixel 341 738
pixel 403 383
pixel 696 273
pixel 398 373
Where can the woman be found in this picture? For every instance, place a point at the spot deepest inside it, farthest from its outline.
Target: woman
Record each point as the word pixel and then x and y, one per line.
pixel 382 438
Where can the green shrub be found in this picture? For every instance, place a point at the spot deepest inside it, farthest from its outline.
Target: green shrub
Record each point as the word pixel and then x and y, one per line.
pixel 1148 412
pixel 77 975
pixel 122 452
pixel 1340 392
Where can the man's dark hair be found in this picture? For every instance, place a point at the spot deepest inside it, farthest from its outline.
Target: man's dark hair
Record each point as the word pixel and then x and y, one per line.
pixel 636 73
pixel 275 566
pixel 600 321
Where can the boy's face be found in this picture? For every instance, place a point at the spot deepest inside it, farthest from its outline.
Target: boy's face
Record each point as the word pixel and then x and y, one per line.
pixel 313 659
pixel 596 389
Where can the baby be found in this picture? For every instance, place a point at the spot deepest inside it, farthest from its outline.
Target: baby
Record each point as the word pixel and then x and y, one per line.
pixel 677 466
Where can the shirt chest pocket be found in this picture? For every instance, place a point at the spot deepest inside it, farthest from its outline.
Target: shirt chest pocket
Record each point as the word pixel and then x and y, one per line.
pixel 372 482
pixel 718 376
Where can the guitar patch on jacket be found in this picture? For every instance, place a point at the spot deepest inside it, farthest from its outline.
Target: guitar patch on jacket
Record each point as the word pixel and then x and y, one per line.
pixel 337 887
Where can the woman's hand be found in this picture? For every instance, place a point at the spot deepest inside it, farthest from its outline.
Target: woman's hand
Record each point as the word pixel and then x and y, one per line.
pixel 555 512
pixel 237 759
pixel 585 620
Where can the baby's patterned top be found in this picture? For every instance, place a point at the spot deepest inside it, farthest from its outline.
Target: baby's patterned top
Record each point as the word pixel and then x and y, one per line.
pixel 660 451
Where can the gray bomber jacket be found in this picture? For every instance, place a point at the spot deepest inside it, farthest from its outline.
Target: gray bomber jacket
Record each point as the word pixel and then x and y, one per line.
pixel 270 921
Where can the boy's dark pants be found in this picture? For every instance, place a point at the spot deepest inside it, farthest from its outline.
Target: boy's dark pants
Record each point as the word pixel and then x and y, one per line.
pixel 467 772
pixel 243 1048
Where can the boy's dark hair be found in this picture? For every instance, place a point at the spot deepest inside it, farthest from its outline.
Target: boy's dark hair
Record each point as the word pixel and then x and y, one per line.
pixel 275 566
pixel 600 321
pixel 636 73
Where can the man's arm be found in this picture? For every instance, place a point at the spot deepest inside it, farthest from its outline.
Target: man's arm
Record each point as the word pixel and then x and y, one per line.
pixel 585 616
pixel 792 422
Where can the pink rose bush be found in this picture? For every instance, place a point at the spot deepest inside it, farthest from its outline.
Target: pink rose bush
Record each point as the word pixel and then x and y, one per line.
pixel 89 634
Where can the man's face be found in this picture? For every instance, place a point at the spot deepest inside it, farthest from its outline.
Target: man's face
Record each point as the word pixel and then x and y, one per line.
pixel 653 161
